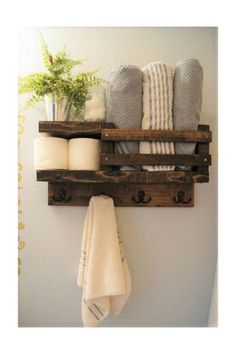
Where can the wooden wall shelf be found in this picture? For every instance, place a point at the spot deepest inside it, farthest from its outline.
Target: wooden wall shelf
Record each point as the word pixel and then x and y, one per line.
pixel 73 129
pixel 128 188
pixel 200 136
pixel 129 177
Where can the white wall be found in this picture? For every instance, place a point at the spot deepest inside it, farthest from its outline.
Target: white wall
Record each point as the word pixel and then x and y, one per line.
pixel 171 251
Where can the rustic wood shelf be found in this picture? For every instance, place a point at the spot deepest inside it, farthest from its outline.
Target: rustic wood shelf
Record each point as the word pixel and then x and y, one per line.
pixel 129 188
pixel 200 136
pixel 153 159
pixel 73 129
pixel 129 177
pixel 136 195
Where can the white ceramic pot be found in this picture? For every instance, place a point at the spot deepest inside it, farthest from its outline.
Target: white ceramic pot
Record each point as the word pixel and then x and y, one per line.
pixel 57 110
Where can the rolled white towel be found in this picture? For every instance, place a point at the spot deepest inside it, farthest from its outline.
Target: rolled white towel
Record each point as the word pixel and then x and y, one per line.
pixel 157 109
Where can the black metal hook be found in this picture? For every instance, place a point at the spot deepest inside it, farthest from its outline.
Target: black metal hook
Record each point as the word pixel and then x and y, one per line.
pixel 180 198
pixel 141 198
pixel 62 196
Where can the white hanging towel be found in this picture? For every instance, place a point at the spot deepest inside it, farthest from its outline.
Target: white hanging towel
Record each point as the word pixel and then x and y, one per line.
pixel 103 271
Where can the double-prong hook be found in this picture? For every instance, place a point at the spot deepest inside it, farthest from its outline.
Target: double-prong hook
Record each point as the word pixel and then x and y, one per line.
pixel 180 198
pixel 141 198
pixel 62 196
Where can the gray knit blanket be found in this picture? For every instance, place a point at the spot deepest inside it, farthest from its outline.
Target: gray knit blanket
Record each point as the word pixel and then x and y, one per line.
pixel 125 103
pixel 157 109
pixel 187 101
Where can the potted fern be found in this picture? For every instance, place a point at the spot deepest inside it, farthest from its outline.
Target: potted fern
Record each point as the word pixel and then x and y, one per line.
pixel 59 87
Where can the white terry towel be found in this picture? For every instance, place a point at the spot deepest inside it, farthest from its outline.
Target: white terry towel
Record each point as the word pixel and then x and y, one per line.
pixel 157 109
pixel 103 271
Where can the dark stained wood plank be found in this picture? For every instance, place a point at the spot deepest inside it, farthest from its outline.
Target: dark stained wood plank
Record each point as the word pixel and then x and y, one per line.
pixel 156 135
pixel 155 159
pixel 107 147
pixel 116 177
pixel 171 195
pixel 73 129
pixel 128 188
pixel 203 148
pixel 205 127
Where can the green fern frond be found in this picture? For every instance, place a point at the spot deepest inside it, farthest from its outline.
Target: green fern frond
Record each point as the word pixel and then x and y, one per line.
pixel 46 55
pixel 62 64
pixel 59 80
pixel 33 100
pixel 38 83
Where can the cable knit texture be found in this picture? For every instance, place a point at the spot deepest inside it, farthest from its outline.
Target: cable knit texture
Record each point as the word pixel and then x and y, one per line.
pixel 103 271
pixel 187 102
pixel 157 109
pixel 125 103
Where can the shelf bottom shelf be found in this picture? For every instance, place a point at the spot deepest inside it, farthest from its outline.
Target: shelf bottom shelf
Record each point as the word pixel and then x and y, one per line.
pixel 117 176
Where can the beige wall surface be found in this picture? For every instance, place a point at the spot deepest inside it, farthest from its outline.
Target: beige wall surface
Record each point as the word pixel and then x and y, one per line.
pixel 171 252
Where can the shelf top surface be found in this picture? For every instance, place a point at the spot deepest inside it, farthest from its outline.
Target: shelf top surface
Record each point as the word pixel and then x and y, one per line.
pixel 72 129
pixel 105 130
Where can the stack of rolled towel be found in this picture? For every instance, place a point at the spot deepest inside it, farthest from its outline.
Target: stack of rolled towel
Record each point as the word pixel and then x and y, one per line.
pixel 156 97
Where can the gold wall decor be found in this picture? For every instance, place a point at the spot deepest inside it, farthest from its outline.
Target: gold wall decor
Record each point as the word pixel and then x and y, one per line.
pixel 21 225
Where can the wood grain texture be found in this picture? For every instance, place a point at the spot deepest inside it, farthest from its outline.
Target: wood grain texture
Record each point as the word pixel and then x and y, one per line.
pixel 107 147
pixel 203 148
pixel 116 177
pixel 128 188
pixel 73 129
pixel 156 135
pixel 155 159
pixel 76 194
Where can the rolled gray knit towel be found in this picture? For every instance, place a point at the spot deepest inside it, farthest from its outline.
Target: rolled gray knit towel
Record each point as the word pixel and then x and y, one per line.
pixel 187 100
pixel 125 103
